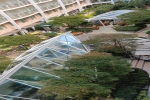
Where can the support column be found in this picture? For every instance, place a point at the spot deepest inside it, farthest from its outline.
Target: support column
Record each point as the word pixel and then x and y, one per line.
pixel 102 24
pixel 39 10
pixel 79 5
pixel 63 6
pixel 11 21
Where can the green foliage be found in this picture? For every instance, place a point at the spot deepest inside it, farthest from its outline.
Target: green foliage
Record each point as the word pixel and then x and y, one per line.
pixel 112 43
pixel 130 84
pixel 128 28
pixel 137 18
pixel 148 32
pixel 102 9
pixel 86 77
pixel 127 93
pixel 137 3
pixel 90 15
pixel 122 6
pixel 142 95
pixel 50 34
pixel 4 62
pixel 68 21
pixel 39 27
pixel 12 41
pixel 79 29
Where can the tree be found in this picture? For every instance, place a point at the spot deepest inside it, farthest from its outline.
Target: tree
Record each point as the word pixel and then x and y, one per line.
pixel 138 3
pixel 117 44
pixel 90 76
pixel 68 21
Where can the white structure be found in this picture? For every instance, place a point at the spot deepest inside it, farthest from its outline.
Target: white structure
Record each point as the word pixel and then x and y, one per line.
pixel 21 14
pixel 112 15
pixel 38 63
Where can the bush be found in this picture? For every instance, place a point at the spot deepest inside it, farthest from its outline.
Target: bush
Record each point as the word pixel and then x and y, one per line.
pixel 122 6
pixel 4 62
pixel 39 27
pixel 102 9
pixel 13 41
pixel 50 34
pixel 148 32
pixel 128 28
pixel 79 29
pixel 131 83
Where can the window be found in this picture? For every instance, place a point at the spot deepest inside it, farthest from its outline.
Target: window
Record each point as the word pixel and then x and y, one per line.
pixel 54 10
pixel 23 20
pixel 2 27
pixel 11 24
pixel 60 8
pixel 32 17
pixel 47 12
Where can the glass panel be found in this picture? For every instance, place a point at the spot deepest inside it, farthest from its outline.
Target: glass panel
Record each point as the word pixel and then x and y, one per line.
pixel 60 47
pixel 63 38
pixel 43 64
pixel 74 51
pixel 48 53
pixel 30 75
pixel 15 89
pixel 36 84
pixel 78 45
pixel 54 56
pixel 71 39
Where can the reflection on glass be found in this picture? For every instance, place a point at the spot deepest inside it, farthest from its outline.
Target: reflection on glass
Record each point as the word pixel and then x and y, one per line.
pixel 42 63
pixel 16 89
pixel 30 75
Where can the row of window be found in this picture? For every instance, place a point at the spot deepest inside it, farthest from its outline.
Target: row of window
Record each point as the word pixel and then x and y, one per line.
pixel 2 27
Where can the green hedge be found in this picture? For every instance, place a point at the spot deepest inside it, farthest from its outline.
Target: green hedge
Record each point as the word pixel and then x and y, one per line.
pixel 4 62
pixel 79 29
pixel 148 32
pixel 128 28
pixel 50 34
pixel 129 86
pixel 13 41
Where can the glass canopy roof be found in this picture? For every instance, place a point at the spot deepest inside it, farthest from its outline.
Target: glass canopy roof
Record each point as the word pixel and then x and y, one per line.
pixel 109 15
pixel 38 63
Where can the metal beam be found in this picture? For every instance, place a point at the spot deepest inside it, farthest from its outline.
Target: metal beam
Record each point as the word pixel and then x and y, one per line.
pixel 39 9
pixel 79 5
pixel 11 21
pixel 63 6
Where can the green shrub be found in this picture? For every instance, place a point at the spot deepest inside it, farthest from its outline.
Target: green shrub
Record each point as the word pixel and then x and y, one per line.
pixel 122 6
pixel 128 28
pixel 50 34
pixel 102 9
pixel 148 32
pixel 130 84
pixel 142 95
pixel 39 27
pixel 13 41
pixel 79 29
pixel 4 62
